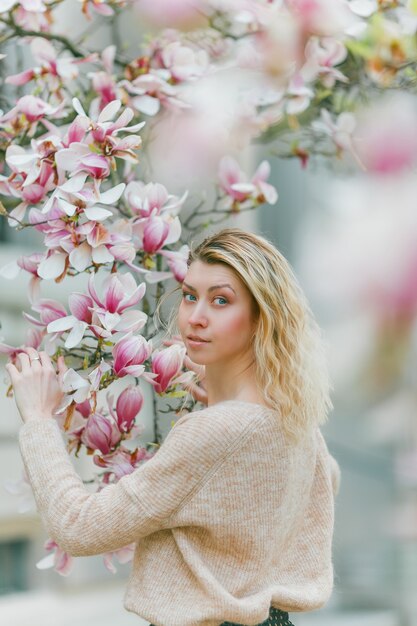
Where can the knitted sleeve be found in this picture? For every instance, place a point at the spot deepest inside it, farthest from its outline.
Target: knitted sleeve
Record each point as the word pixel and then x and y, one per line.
pixel 84 523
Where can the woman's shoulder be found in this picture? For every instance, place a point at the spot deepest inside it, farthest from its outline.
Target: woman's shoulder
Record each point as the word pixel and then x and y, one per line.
pixel 227 416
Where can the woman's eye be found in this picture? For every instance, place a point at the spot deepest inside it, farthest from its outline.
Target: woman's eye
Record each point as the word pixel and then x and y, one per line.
pixel 221 298
pixel 185 294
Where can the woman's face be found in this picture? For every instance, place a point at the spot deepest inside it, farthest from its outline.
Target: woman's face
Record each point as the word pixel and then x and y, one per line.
pixel 217 308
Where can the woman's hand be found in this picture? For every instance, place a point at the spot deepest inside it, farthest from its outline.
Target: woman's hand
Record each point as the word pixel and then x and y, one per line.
pixel 197 390
pixel 35 384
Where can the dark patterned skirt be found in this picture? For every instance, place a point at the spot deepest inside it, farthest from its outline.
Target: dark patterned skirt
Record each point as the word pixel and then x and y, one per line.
pixel 276 618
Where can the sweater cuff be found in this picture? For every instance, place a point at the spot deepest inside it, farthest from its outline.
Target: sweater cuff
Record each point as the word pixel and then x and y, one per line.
pixel 39 432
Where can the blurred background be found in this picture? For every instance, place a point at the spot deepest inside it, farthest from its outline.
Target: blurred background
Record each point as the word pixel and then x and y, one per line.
pixel 351 239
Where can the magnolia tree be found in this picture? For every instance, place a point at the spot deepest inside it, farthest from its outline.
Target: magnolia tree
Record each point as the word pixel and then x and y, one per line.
pixel 208 79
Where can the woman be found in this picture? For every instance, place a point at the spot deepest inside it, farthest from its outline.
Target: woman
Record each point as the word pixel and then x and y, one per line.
pixel 233 516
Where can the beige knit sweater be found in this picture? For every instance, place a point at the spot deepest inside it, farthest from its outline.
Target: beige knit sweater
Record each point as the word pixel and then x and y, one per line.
pixel 228 518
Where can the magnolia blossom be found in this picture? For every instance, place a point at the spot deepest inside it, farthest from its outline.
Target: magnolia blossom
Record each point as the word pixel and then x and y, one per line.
pixel 121 462
pixel 322 55
pixel 61 561
pixel 148 92
pixel 341 130
pixel 120 293
pixel 29 110
pixel 101 433
pixel 152 199
pixel 298 95
pixel 156 231
pixel 79 157
pixel 129 355
pixel 235 184
pixel 128 405
pixel 53 72
pixel 167 364
pixel 123 555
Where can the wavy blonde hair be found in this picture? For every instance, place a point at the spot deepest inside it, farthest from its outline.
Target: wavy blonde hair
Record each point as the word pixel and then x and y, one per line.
pixel 290 362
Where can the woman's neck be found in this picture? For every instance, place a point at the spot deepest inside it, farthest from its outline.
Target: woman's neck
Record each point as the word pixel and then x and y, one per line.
pixel 228 382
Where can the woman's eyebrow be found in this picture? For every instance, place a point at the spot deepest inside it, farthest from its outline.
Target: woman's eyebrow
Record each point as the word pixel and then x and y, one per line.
pixel 210 288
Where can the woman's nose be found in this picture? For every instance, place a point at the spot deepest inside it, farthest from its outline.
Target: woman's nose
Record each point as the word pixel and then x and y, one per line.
pixel 198 315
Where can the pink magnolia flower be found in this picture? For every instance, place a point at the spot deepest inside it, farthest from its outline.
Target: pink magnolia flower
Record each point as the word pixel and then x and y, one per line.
pixel 322 55
pixel 149 91
pixel 234 183
pixel 101 433
pixel 33 109
pixel 128 405
pixel 32 176
pixel 152 199
pixel 167 364
pixel 53 71
pixel 298 95
pixel 340 130
pixel 81 307
pixel 151 234
pixel 177 261
pixel 183 62
pixel 123 555
pixel 121 462
pixel 129 354
pixel 61 561
pixel 120 292
pixel 49 311
pixel 79 157
pixel 77 388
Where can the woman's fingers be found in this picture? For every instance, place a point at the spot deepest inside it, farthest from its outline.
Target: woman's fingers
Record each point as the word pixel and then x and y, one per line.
pixel 34 357
pixel 12 371
pixel 22 359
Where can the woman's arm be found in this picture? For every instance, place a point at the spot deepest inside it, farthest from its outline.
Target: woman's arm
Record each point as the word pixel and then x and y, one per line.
pixel 80 522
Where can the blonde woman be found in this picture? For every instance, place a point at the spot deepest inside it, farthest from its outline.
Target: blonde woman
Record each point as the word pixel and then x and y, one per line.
pixel 233 516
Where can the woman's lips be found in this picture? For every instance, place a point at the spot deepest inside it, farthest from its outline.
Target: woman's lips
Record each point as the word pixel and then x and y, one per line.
pixel 197 342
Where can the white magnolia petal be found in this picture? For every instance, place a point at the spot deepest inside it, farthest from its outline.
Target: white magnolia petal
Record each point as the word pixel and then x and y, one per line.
pixel 132 129
pixel 21 159
pixel 80 257
pixel 76 335
pixel 47 562
pixel 61 324
pixel 174 231
pixel 97 214
pixel 74 184
pixel 78 107
pixel 155 277
pixel 129 319
pixel 109 111
pixel 67 207
pixel 48 204
pixel 72 381
pixel 102 255
pixel 146 104
pixel 112 195
pixel 52 266
pixel 243 187
pixel 67 159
